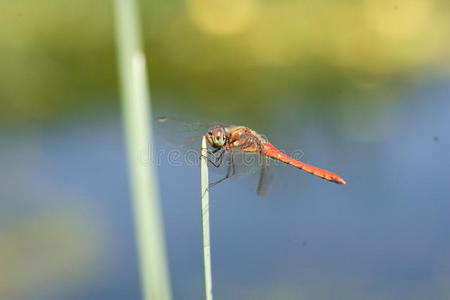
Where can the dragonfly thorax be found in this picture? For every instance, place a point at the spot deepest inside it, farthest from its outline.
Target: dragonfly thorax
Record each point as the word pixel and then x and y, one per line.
pixel 216 136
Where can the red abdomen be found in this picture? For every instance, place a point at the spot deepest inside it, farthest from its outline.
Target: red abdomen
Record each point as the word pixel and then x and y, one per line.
pixel 273 152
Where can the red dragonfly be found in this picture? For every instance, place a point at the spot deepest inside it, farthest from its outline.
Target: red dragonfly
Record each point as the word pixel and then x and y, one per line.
pixel 229 141
pixel 242 139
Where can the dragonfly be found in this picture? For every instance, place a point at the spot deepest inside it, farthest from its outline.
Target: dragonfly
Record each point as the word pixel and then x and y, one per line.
pixel 243 139
pixel 229 141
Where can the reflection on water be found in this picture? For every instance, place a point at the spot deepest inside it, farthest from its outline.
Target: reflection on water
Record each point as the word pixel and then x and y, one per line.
pixel 67 229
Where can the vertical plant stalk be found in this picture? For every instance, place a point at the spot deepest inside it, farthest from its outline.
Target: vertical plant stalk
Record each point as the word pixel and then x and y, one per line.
pixel 205 220
pixel 135 99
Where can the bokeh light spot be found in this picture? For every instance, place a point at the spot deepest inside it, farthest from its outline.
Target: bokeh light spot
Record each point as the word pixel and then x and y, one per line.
pixel 222 17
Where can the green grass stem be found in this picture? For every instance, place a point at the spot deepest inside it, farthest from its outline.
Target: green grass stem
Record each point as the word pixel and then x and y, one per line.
pixel 135 100
pixel 205 221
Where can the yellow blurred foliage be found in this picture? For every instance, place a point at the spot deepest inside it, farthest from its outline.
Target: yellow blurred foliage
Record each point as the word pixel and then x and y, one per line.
pixel 222 17
pixel 54 59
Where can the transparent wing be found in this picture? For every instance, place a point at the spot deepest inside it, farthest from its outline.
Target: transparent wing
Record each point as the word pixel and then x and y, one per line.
pixel 183 134
pixel 235 165
pixel 180 133
pixel 265 178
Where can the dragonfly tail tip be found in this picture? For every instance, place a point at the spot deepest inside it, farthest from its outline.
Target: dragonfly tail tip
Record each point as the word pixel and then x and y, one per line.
pixel 341 181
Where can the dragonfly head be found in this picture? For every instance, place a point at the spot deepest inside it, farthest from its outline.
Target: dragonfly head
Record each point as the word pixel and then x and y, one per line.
pixel 216 136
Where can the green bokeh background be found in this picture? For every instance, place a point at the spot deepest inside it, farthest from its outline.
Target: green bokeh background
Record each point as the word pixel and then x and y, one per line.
pixel 247 58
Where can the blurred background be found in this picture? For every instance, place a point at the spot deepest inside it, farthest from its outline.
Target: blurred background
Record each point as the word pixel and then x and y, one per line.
pixel 360 86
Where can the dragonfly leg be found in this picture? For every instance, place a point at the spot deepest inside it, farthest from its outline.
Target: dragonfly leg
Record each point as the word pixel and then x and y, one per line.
pixel 230 172
pixel 217 159
pixel 213 152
